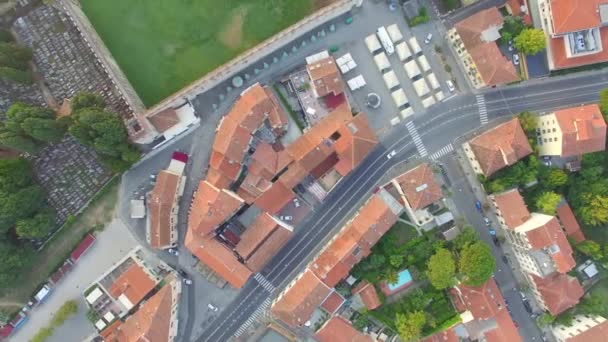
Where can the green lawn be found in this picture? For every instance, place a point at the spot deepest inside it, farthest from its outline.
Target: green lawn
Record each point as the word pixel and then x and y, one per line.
pixel 163 45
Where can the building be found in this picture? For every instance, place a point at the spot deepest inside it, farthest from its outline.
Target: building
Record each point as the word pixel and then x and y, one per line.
pixel 296 304
pixel 484 313
pixel 541 249
pixel 569 223
pixel 417 189
pixel 365 295
pixel 474 40
pixel 235 224
pixel 572 132
pixel 576 32
pixel 324 76
pixel 155 320
pixel 583 329
pixel 338 329
pixel 163 204
pixel 501 146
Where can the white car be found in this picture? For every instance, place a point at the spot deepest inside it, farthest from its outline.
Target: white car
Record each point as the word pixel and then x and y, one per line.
pixel 286 218
pixel 296 202
pixel 173 251
pixel 450 85
pixel 391 154
pixel 428 38
pixel 486 221
pixel 187 281
pixel 516 59
pixel 212 307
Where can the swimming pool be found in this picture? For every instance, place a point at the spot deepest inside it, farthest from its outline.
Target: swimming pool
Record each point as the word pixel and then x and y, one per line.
pixel 404 278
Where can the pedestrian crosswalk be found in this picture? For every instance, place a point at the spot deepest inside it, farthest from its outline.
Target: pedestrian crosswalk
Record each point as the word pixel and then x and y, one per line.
pixel 483 111
pixel 264 282
pixel 260 310
pixel 445 150
pixel 416 138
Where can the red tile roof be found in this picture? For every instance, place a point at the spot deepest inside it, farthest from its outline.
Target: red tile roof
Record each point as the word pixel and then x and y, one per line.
pixel 325 77
pixel 596 333
pixel 337 329
pixel 354 242
pixel 575 15
pixel 512 208
pixel 501 146
pixel 218 258
pixel 493 66
pixel 550 236
pixel 559 291
pixel 134 283
pixel 160 204
pixel 419 187
pixel 562 61
pixel 268 249
pixel 163 120
pixel 443 336
pixel 297 304
pixel 367 293
pixel 506 331
pixel 569 223
pixel 211 207
pixel 275 198
pixel 357 140
pixel 583 130
pixel 333 302
pixel 258 231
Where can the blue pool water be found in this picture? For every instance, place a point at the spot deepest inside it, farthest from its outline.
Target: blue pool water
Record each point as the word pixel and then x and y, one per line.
pixel 404 277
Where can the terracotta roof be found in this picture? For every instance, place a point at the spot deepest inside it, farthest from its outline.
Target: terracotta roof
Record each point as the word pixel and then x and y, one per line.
pixel 211 207
pixel 264 165
pixel 419 187
pixel 325 77
pixel 550 236
pixel 368 295
pixel 512 208
pixel 505 331
pixel 164 120
pixel 275 198
pixel 583 130
pixel 337 329
pixel 575 15
pixel 484 301
pixel 442 336
pixel 357 140
pixel 110 330
pixel 333 302
pixel 231 140
pixel 299 301
pixel 218 258
pixel 354 242
pixel 268 249
pixel 134 283
pixel 561 60
pixel 559 291
pixel 595 333
pixel 160 204
pixel 217 179
pixel 294 175
pixel 501 146
pixel 493 66
pixel 258 231
pixel 569 223
pixel 151 322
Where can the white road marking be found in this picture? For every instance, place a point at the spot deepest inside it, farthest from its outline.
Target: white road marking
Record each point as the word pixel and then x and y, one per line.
pixel 442 152
pixel 416 138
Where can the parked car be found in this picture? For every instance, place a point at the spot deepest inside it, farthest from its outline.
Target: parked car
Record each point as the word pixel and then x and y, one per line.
pixel 505 259
pixel 286 218
pixel 391 154
pixel 487 221
pixel 296 202
pixel 212 307
pixel 495 240
pixel 428 38
pixel 173 251
pixel 478 205
pixel 450 85
pixel 527 306
pixel 185 277
pixel 516 59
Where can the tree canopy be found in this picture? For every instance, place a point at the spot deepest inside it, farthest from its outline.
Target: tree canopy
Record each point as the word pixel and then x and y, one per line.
pixel 547 202
pixel 530 41
pixel 410 325
pixel 28 127
pixel 588 190
pixel 14 60
pixel 38 226
pixel 84 100
pixel 441 269
pixel 467 236
pixel 476 264
pixel 528 121
pixel 604 103
pixel 13 260
pixel 511 28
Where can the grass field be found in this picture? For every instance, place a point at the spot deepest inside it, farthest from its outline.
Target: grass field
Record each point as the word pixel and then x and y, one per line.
pixel 163 45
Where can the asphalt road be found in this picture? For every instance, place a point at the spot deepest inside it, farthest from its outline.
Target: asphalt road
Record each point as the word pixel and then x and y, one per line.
pixel 464 12
pixel 441 125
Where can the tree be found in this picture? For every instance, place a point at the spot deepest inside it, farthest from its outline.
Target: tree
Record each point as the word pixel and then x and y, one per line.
pixel 441 269
pixel 390 275
pixel 46 130
pixel 467 236
pixel 595 305
pixel 13 261
pixel 84 100
pixel 6 36
pixel 545 319
pixel 530 41
pixel 565 318
pixel 450 4
pixel 15 56
pixel 37 227
pixel 377 260
pixel 16 75
pixel 528 121
pixel 476 264
pixel 511 27
pixel 591 249
pixel 20 205
pixel 553 177
pixel 18 142
pixel 15 173
pixel 410 325
pixel 604 102
pixel 547 202
pixel 395 260
pixel 595 211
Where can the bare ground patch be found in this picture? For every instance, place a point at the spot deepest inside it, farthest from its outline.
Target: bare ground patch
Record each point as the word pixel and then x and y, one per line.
pixel 232 34
pixel 318 4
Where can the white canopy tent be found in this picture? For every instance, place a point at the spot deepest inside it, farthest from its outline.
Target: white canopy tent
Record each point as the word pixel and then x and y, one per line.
pixel 356 82
pixel 390 79
pixel 372 43
pixel 346 63
pixel 403 51
pixel 414 45
pixel 439 95
pixel 433 80
pixel 421 87
pixel 424 63
pixel 399 97
pixel 429 101
pixel 394 33
pixel 382 61
pixel 407 112
pixel 317 57
pixel 411 69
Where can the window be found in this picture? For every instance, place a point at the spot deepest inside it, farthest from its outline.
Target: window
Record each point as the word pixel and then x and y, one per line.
pixel 545 140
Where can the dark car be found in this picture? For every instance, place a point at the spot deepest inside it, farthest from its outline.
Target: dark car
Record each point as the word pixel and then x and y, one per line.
pixel 505 259
pixel 495 240
pixel 527 306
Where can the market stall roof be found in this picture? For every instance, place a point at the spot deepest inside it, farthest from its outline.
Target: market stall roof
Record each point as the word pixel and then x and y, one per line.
pixel 403 51
pixel 421 87
pixel 433 81
pixel 424 63
pixel 414 45
pixel 382 61
pixel 411 68
pixel 390 79
pixel 372 43
pixel 399 97
pixel 429 101
pixel 394 33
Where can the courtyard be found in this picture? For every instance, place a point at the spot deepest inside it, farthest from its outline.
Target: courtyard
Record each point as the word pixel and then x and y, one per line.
pixel 164 45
